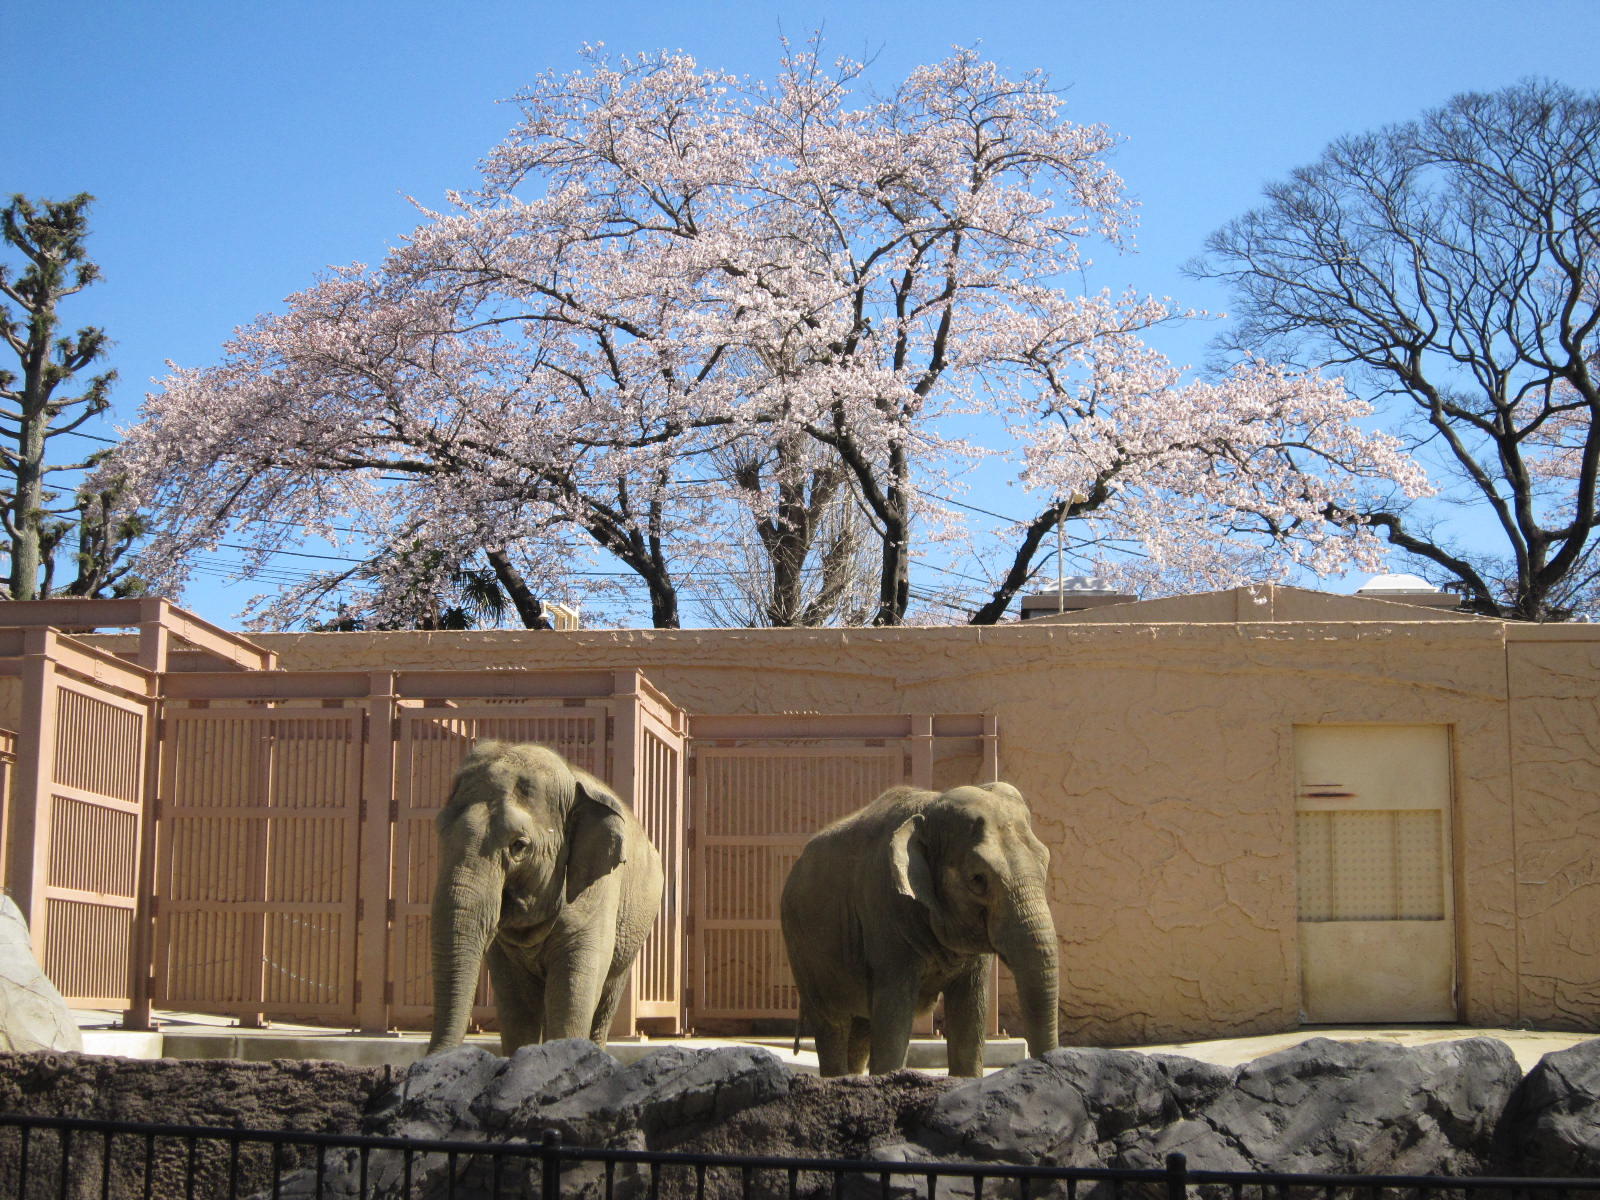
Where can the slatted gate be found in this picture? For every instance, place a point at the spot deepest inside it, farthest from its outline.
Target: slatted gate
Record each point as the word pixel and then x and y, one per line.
pixel 430 746
pixel 759 788
pixel 74 813
pixel 275 894
pixel 257 866
pixel 95 813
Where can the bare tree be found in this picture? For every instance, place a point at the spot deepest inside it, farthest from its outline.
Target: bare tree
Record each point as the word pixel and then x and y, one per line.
pixel 49 235
pixel 813 559
pixel 1450 266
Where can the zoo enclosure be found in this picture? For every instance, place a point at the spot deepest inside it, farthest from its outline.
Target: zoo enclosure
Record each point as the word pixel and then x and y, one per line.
pixel 197 830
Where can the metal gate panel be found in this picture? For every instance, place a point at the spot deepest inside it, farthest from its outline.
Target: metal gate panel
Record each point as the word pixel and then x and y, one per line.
pixel 258 862
pixel 432 741
pixel 754 809
pixel 91 863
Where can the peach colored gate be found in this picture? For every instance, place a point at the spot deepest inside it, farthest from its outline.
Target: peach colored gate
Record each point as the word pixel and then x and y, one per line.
pixel 257 866
pixel 430 746
pixel 74 815
pixel 296 852
pixel 760 787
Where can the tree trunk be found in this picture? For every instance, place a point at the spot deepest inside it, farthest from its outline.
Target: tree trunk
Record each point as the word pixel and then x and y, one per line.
pixel 28 507
pixel 894 580
pixel 529 608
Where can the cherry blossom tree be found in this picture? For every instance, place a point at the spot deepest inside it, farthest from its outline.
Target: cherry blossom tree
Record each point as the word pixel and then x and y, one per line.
pixel 690 320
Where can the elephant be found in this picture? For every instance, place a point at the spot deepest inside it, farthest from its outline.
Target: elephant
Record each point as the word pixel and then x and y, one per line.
pixel 905 900
pixel 544 871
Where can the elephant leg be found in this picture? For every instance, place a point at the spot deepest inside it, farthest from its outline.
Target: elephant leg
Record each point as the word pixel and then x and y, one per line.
pixel 575 979
pixel 860 1044
pixel 894 1010
pixel 833 1045
pixel 518 998
pixel 966 1005
pixel 610 1001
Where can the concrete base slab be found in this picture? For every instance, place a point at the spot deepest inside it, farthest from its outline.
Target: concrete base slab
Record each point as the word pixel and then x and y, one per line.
pixel 202 1036
pixel 122 1043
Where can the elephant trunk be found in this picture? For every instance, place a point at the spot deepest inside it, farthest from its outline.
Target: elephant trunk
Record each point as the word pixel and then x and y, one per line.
pixel 1025 938
pixel 466 909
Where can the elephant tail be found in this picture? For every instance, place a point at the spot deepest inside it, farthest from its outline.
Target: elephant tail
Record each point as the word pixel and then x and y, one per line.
pixel 799 1026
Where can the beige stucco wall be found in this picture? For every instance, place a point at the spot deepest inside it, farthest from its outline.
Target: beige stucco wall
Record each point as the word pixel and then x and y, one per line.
pixel 1554 738
pixel 1158 758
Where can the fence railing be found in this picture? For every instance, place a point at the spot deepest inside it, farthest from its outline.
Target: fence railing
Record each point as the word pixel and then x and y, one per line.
pixel 115 1160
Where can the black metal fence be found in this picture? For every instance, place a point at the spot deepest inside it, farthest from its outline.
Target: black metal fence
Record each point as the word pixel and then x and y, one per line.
pixel 67 1158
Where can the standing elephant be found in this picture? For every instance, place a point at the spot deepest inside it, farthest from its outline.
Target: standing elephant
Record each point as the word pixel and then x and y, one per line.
pixel 545 871
pixel 906 899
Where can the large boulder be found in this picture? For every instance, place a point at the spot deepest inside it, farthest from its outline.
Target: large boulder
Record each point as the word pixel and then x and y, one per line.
pixel 1068 1108
pixel 1321 1106
pixel 1360 1108
pixel 1552 1124
pixel 33 1016
pixel 571 1088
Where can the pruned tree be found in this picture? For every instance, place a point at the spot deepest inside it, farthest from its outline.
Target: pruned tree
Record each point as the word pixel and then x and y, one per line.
pixel 1449 266
pixel 688 316
pixel 41 517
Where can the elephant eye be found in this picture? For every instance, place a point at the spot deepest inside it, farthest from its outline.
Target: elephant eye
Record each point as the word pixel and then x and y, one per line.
pixel 519 846
pixel 979 883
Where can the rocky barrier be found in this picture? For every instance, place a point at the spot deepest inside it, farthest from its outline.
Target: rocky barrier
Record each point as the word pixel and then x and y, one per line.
pixel 1448 1108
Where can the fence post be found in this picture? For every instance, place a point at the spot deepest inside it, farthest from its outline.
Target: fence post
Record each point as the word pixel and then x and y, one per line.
pixel 373 879
pixel 28 832
pixel 919 740
pixel 550 1160
pixel 1177 1176
pixel 623 752
pixel 142 947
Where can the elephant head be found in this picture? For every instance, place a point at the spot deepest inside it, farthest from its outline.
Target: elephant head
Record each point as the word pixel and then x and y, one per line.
pixel 524 834
pixel 971 859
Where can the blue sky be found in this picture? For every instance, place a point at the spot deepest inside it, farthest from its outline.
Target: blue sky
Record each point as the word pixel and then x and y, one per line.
pixel 237 149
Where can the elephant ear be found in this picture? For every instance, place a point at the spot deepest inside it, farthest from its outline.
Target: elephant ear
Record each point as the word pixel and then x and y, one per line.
pixel 597 837
pixel 908 861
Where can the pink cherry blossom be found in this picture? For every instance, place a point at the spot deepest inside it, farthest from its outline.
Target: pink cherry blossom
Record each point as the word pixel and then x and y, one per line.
pixel 667 270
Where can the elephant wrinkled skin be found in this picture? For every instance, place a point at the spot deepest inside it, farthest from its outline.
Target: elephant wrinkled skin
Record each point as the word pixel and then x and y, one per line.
pixel 905 900
pixel 547 873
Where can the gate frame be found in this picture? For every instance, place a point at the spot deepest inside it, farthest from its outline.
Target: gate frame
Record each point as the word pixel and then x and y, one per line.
pixel 627 704
pixel 916 734
pixel 49 663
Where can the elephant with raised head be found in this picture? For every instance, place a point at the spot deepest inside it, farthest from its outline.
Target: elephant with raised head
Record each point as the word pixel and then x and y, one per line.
pixel 547 873
pixel 905 900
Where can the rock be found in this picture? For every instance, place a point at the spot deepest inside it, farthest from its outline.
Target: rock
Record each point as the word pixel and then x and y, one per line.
pixel 1551 1125
pixel 571 1087
pixel 436 1095
pixel 538 1080
pixel 1362 1108
pixel 33 1016
pixel 1322 1106
pixel 673 1090
pixel 1069 1108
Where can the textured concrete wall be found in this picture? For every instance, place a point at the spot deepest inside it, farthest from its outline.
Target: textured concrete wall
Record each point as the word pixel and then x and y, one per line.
pixel 1158 759
pixel 1555 748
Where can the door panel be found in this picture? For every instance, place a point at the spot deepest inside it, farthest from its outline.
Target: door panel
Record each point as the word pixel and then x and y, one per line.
pixel 1376 927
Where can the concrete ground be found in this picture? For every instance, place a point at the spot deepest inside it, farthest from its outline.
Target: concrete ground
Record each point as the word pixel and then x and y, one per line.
pixel 197 1035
